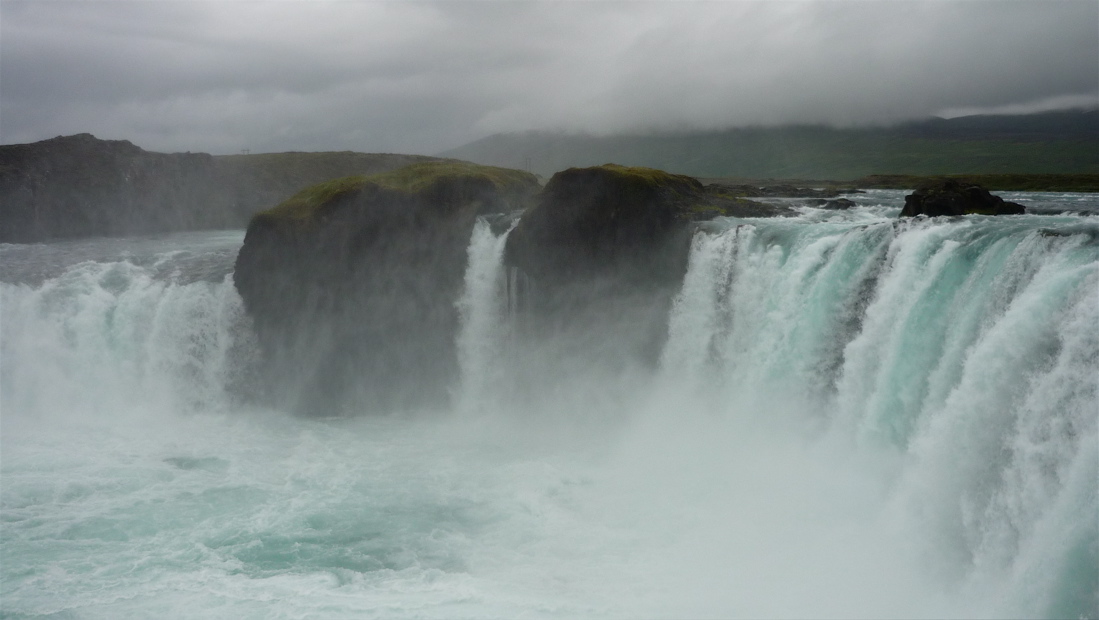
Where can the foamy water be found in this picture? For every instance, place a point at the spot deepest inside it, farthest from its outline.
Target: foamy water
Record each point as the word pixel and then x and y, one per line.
pixel 853 416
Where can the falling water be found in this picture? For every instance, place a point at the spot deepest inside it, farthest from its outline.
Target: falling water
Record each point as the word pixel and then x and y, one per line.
pixel 851 416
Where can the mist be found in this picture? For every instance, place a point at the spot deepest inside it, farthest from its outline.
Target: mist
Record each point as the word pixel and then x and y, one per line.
pixel 451 391
pixel 806 440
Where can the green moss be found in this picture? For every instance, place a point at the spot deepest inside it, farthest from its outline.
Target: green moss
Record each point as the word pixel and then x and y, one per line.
pixel 651 178
pixel 417 177
pixel 305 203
pixel 412 179
pixel 688 196
pixel 307 168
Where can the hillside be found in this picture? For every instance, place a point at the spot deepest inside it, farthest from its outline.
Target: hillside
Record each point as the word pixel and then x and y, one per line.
pixel 1050 143
pixel 81 186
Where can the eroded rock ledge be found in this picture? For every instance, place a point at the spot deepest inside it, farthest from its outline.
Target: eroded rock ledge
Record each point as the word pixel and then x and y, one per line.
pixel 351 283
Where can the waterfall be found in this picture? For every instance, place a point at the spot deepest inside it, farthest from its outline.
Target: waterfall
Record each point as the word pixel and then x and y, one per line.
pixel 111 337
pixel 849 415
pixel 970 347
pixel 482 309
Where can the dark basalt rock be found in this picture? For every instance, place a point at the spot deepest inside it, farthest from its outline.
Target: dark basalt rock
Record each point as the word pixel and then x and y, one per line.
pixel 839 204
pixel 954 197
pixel 598 258
pixel 629 222
pixel 352 284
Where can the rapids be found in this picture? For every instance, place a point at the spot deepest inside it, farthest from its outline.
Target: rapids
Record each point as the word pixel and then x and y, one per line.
pixel 851 416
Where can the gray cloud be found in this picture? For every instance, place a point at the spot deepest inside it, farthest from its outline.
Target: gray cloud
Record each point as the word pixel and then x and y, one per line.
pixel 425 76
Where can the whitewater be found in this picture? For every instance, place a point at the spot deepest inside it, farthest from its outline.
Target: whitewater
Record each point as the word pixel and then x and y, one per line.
pixel 852 415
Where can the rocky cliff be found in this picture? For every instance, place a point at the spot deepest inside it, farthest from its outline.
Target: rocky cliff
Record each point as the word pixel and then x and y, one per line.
pixel 605 248
pixel 352 283
pixel 80 186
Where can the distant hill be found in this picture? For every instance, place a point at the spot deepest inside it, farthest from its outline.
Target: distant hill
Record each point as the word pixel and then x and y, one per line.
pixel 80 186
pixel 1055 142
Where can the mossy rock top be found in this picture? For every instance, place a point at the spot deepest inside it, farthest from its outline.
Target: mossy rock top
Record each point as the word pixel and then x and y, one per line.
pixel 618 189
pixel 412 179
pixel 625 180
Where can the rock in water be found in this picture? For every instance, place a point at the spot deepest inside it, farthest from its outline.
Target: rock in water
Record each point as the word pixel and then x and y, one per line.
pixel 606 220
pixel 839 204
pixel 953 197
pixel 352 283
pixel 600 255
pixel 628 223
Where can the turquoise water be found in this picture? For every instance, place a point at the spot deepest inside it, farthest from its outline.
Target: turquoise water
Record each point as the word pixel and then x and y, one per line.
pixel 853 416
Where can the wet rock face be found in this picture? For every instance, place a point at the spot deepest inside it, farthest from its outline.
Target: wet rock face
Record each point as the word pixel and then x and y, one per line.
pixel 352 285
pixel 599 257
pixel 839 204
pixel 606 221
pixel 953 197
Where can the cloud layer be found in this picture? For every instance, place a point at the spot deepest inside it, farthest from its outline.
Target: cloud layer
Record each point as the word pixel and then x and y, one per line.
pixel 426 76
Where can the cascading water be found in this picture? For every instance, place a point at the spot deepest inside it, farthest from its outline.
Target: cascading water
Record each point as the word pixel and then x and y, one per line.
pixel 970 347
pixel 110 337
pixel 483 312
pixel 852 416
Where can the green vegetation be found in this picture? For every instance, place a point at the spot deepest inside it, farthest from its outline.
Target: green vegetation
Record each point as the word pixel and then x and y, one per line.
pixel 638 179
pixel 296 167
pixel 305 203
pixel 648 176
pixel 412 179
pixel 616 187
pixel 417 177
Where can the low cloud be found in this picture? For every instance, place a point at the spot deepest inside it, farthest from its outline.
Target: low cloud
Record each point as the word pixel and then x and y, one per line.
pixel 423 77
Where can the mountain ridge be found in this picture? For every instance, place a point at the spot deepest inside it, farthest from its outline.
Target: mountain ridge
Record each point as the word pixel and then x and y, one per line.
pixel 1051 143
pixel 81 186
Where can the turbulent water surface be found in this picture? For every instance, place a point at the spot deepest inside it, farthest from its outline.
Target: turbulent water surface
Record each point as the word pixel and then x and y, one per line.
pixel 852 416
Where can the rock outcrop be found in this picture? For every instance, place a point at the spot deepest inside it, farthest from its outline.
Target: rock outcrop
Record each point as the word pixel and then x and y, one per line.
pixel 80 186
pixel 839 204
pixel 601 254
pixel 352 283
pixel 954 197
pixel 629 224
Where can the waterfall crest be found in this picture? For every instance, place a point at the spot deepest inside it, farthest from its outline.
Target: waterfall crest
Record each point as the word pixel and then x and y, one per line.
pixel 968 347
pixel 112 337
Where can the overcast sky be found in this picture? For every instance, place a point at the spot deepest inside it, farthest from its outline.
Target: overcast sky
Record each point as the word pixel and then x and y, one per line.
pixel 422 77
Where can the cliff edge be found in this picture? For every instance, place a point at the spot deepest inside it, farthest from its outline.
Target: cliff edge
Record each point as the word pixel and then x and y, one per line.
pixel 352 283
